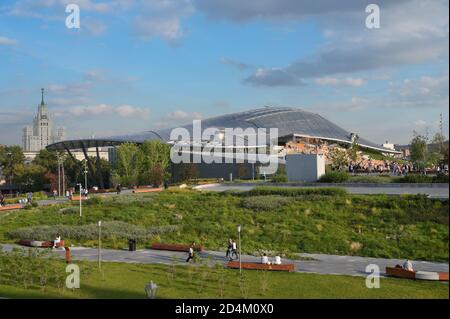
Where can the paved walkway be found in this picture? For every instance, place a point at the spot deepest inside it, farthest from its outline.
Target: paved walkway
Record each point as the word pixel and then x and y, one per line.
pixel 440 191
pixel 320 263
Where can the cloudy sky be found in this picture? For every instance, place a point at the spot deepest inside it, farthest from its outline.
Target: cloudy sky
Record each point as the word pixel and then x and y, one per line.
pixel 137 65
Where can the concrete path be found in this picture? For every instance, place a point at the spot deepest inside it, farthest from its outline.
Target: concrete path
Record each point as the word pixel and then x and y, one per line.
pixel 438 191
pixel 320 263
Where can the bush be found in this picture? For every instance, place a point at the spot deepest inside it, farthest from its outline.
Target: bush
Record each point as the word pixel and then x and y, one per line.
pixel 261 203
pixel 422 179
pixel 295 191
pixel 334 177
pixel 110 230
pixel 31 269
pixel 441 178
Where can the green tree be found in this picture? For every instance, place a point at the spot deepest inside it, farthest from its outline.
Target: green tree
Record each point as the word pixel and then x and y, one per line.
pixel 339 158
pixel 129 159
pixel 442 144
pixel 419 151
pixel 10 156
pixel 352 152
pixel 47 159
pixel 30 177
pixel 155 156
pixel 420 154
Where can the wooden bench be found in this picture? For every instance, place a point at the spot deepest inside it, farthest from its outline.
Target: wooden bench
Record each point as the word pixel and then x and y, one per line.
pixel 40 244
pixel 175 247
pixel 147 190
pixel 259 266
pixel 77 198
pixel 421 275
pixel 11 207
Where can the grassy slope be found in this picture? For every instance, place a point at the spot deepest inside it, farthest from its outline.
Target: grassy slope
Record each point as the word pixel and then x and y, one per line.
pixel 377 226
pixel 128 280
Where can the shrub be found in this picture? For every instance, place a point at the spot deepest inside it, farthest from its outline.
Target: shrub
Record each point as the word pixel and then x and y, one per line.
pixel 422 179
pixel 110 230
pixel 261 203
pixel 334 177
pixel 31 269
pixel 295 191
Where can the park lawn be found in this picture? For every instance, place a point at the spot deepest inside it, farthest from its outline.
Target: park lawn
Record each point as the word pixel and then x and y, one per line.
pixel 412 227
pixel 124 281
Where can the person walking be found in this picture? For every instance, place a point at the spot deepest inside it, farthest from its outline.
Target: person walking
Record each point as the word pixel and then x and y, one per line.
pixel 2 200
pixel 118 189
pixel 234 250
pixel 30 198
pixel 229 249
pixel 191 252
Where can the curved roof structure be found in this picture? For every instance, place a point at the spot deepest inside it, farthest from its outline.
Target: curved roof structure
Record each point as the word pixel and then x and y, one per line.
pixel 289 121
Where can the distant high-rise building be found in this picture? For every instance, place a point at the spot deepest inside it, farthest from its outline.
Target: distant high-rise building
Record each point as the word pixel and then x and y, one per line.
pixel 41 134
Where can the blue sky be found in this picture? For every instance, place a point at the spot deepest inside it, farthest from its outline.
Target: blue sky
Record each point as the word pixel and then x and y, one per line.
pixel 136 65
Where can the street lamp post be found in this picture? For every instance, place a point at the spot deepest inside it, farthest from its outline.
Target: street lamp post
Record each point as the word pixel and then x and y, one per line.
pixel 10 172
pixel 99 244
pixel 59 174
pixel 240 251
pixel 79 184
pixel 85 175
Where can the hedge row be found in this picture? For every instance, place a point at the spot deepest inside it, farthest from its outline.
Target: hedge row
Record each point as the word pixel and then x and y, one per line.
pixel 295 191
pixel 110 230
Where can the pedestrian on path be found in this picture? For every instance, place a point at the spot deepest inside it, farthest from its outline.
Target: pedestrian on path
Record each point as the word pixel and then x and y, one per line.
pixel 229 249
pixel 2 200
pixel 234 250
pixel 191 253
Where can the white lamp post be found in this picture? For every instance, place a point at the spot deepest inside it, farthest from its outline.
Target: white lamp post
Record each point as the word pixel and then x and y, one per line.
pixel 239 234
pixel 80 200
pixel 99 244
pixel 85 174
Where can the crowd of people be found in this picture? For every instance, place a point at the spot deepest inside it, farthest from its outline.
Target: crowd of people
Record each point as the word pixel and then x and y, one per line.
pixel 392 168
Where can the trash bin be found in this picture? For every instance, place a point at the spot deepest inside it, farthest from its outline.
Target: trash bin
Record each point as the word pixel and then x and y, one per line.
pixel 132 244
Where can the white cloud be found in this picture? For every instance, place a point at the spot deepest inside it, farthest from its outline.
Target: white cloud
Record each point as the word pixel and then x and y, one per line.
pixel 355 82
pixel 412 32
pixel 132 111
pixel 182 115
pixel 108 110
pixel 162 19
pixel 420 123
pixel 7 41
pixel 94 27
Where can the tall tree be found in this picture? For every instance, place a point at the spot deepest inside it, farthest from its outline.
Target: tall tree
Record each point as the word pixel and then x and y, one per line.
pixel 155 157
pixel 126 170
pixel 9 157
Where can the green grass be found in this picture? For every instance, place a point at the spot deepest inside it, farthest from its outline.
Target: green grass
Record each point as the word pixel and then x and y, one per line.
pixel 413 227
pixel 119 280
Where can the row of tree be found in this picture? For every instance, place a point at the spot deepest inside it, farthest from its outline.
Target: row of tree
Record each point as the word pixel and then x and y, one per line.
pixel 42 172
pixel 145 164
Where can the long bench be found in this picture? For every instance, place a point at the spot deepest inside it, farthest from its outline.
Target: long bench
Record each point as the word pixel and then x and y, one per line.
pixel 259 266
pixel 11 207
pixel 77 198
pixel 175 247
pixel 147 190
pixel 40 244
pixel 420 275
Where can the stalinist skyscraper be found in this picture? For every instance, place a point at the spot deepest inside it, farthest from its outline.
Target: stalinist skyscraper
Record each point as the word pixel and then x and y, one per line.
pixel 41 134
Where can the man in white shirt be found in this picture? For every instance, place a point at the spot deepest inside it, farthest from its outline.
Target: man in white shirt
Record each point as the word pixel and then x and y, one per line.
pixel 265 259
pixel 234 249
pixel 57 240
pixel 407 265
